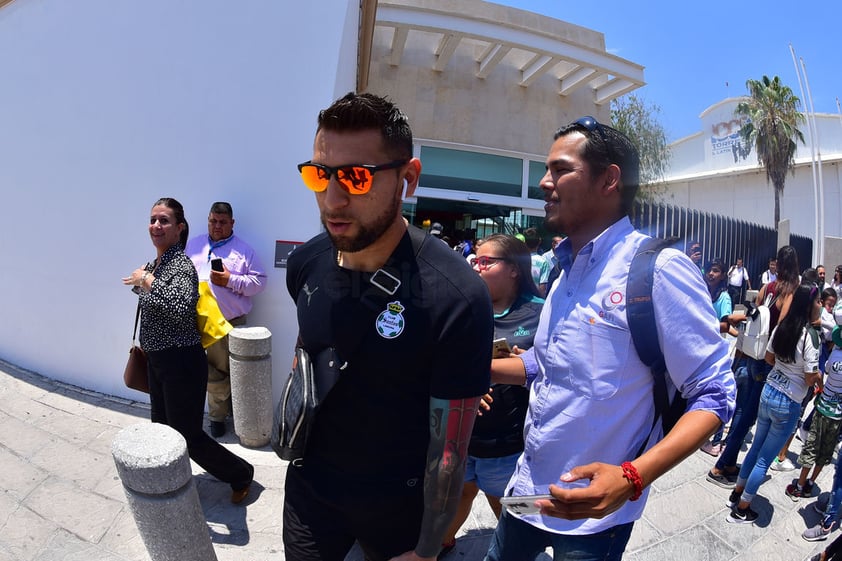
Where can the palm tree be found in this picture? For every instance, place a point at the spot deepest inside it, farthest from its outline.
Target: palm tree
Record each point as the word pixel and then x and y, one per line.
pixel 772 127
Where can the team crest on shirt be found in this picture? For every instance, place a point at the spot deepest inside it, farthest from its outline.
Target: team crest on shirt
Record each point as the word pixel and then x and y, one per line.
pixel 390 322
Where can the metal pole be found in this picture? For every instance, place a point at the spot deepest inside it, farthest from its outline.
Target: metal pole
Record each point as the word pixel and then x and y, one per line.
pixel 818 162
pixel 817 228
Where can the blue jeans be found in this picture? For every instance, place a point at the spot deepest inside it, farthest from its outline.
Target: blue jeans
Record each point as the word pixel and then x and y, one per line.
pixel 740 370
pixel 750 400
pixel 835 502
pixel 515 540
pixel 776 419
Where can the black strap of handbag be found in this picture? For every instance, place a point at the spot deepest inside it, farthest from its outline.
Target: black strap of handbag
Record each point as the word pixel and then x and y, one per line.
pixel 136 319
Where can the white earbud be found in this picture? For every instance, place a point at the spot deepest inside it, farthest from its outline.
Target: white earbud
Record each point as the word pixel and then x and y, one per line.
pixel 405 187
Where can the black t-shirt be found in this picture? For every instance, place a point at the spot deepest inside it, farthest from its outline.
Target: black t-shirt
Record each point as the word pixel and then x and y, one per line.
pixel 499 432
pixel 431 338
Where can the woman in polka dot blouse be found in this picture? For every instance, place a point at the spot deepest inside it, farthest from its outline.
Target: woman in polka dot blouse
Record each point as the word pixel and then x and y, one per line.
pixel 168 288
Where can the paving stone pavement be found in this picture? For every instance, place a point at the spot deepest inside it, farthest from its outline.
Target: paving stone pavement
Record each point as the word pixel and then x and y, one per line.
pixel 62 499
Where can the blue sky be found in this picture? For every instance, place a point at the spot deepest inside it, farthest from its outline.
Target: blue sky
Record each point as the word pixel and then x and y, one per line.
pixel 691 51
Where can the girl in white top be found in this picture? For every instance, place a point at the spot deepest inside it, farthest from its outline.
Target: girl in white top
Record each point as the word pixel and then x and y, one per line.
pixel 793 351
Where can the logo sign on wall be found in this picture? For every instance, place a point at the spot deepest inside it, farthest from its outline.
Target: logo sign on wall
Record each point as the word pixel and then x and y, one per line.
pixel 725 138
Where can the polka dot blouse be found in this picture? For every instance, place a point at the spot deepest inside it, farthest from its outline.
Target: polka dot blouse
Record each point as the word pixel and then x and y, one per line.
pixel 168 310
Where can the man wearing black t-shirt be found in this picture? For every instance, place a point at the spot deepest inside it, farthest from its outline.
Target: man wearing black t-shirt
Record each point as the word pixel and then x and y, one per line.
pixel 410 326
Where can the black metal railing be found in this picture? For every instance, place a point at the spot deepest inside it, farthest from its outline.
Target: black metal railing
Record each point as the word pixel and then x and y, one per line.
pixel 720 236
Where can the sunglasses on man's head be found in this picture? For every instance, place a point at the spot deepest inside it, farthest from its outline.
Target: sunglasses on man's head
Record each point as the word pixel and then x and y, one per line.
pixel 591 124
pixel 355 179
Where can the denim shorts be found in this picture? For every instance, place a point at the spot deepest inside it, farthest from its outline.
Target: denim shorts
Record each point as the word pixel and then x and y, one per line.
pixel 491 475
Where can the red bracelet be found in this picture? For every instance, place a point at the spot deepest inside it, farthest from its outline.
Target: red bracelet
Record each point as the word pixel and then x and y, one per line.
pixel 630 473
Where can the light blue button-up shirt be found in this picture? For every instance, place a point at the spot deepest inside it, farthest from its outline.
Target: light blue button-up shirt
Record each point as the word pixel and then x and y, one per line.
pixel 591 396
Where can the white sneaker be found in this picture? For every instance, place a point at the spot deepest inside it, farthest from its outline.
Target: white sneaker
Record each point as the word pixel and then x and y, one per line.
pixel 785 465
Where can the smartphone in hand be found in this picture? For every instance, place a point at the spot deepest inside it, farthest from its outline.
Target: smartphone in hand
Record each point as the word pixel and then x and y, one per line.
pixel 501 349
pixel 216 265
pixel 524 504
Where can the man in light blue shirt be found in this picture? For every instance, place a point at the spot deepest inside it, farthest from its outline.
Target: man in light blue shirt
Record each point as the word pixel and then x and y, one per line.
pixel 591 408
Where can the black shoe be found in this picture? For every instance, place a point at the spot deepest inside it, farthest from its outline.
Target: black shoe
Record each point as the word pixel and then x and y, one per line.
pixel 724 480
pixel 739 516
pixel 733 499
pixel 217 428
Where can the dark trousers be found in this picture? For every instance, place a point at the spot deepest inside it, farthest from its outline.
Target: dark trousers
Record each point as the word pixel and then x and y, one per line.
pixel 752 388
pixel 177 380
pixel 323 517
pixel 736 293
pixel 516 540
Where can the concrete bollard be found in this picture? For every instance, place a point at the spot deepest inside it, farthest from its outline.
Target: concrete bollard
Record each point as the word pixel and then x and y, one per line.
pixel 250 350
pixel 153 464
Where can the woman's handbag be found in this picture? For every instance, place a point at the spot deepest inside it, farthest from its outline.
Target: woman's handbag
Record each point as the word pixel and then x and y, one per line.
pixel 209 319
pixel 136 376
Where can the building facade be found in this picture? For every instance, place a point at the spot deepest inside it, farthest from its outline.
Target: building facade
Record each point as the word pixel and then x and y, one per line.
pixel 108 106
pixel 713 171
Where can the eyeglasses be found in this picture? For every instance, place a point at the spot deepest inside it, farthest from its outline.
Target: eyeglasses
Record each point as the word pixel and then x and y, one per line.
pixel 485 262
pixel 591 125
pixel 355 179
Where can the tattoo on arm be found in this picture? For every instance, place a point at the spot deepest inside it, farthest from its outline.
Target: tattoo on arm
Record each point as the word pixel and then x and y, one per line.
pixel 451 423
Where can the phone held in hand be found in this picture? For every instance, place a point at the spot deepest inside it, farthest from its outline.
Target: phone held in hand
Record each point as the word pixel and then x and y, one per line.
pixel 524 504
pixel 216 265
pixel 501 349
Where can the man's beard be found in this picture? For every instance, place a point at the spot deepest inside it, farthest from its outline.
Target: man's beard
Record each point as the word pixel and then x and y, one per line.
pixel 368 234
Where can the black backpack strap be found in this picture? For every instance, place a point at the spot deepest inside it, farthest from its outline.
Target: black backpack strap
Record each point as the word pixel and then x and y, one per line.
pixel 388 278
pixel 640 314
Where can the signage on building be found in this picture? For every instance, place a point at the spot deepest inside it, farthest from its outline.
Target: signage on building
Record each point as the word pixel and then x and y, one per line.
pixel 283 249
pixel 725 138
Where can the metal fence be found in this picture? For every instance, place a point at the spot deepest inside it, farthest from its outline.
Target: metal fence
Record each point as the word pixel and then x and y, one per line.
pixel 720 236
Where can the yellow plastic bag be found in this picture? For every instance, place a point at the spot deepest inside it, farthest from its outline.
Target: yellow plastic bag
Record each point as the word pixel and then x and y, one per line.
pixel 212 324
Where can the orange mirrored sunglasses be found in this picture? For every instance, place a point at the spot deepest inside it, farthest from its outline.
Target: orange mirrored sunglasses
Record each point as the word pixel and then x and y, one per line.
pixel 356 179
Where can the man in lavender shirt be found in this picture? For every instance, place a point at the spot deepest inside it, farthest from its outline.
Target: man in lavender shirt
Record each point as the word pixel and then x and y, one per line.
pixel 242 276
pixel 590 445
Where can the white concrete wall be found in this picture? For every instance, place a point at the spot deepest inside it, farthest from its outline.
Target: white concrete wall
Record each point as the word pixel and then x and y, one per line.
pixel 106 106
pixel 749 197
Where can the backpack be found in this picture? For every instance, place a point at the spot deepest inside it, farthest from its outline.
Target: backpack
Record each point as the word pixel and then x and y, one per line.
pixel 640 314
pixel 754 335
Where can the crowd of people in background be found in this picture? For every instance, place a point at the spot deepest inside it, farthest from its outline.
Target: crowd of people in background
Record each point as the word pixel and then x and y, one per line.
pixel 499 360
pixel 794 391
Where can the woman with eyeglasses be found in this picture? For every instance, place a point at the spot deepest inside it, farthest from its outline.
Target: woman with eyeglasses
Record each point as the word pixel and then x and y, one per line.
pixel 504 264
pixel 793 352
pixel 168 289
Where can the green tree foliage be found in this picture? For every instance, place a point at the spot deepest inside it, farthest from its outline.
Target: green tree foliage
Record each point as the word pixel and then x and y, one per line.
pixel 771 110
pixel 638 120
